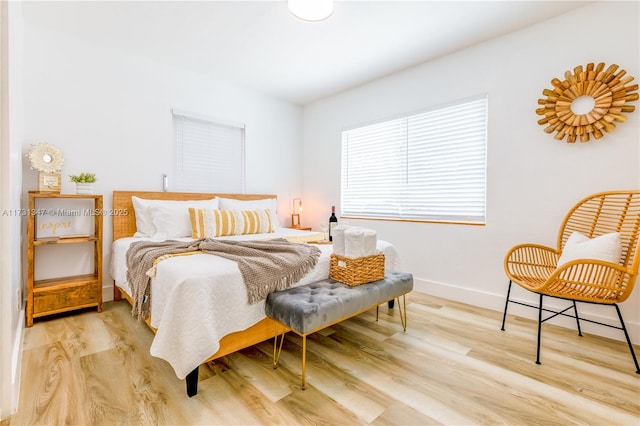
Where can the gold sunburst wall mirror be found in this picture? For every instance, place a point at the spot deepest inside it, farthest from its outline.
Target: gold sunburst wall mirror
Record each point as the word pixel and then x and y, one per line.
pixel 589 100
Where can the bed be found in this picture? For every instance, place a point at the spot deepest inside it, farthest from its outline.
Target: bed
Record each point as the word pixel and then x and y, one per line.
pixel 199 309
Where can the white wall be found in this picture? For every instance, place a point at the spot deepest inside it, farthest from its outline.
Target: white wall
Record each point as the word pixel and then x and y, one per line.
pixel 110 113
pixel 11 115
pixel 532 178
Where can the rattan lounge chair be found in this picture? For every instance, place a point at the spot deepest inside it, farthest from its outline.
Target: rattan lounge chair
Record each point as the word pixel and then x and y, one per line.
pixel 535 267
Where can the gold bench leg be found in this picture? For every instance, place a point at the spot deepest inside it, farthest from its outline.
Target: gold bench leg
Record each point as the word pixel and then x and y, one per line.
pixel 304 360
pixel 403 312
pixel 276 350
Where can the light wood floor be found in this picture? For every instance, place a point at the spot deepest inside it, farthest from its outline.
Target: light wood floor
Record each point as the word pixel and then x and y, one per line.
pixel 452 366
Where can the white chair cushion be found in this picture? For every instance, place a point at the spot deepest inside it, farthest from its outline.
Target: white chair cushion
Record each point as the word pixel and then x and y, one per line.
pixel 607 247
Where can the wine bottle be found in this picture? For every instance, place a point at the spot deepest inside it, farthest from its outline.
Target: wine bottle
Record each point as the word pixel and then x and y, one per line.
pixel 333 222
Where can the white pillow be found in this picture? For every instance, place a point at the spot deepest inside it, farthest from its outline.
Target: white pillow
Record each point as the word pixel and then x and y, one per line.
pixel 173 220
pixel 267 203
pixel 145 217
pixel 607 247
pixel 144 226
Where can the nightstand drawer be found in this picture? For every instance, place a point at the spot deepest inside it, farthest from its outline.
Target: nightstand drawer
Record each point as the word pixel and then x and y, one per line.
pixel 62 299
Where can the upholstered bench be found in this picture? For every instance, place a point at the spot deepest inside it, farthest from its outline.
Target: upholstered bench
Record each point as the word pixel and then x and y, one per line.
pixel 312 307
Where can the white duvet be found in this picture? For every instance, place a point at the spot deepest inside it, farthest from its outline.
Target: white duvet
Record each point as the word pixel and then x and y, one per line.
pixel 197 300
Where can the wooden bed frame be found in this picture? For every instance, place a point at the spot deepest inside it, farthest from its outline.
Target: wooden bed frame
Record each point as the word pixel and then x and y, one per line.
pixel 124 225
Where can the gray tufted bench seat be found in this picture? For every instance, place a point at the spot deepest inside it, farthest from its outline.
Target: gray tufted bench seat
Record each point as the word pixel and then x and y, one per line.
pixel 312 307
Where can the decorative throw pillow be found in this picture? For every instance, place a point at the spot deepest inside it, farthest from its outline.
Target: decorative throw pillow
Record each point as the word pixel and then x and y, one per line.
pixel 207 223
pixel 607 247
pixel 266 203
pixel 257 221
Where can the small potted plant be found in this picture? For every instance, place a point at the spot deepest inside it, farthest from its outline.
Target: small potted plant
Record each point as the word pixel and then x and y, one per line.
pixel 84 182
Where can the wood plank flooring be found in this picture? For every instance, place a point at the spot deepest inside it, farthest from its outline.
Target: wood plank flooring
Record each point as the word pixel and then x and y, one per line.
pixel 453 365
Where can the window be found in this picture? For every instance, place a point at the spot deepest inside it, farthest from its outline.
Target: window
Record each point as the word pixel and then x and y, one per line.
pixel 209 154
pixel 429 166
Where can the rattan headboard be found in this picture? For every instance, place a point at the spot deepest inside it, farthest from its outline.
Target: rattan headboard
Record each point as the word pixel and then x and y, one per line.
pixel 124 219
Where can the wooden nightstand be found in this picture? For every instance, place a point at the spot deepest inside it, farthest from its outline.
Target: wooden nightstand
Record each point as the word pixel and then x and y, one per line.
pixel 53 295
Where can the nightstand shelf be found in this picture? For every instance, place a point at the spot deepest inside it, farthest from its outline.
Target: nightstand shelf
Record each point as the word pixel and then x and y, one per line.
pixel 64 282
pixel 65 240
pixel 54 295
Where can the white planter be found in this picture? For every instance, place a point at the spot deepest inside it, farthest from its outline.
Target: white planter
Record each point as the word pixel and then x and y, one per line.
pixel 84 188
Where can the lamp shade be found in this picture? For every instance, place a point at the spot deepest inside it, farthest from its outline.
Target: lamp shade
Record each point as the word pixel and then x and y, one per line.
pixel 311 10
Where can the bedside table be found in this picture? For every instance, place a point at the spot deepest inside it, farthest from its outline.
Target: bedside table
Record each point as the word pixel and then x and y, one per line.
pixel 302 228
pixel 54 295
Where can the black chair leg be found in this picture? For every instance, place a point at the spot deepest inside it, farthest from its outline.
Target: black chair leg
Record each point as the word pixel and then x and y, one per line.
pixel 539 331
pixel 504 316
pixel 626 335
pixel 575 309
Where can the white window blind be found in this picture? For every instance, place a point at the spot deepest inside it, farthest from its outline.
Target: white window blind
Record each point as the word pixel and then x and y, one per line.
pixel 426 166
pixel 209 155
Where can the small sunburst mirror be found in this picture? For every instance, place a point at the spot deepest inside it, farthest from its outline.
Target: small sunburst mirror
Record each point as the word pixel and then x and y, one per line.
pixel 46 158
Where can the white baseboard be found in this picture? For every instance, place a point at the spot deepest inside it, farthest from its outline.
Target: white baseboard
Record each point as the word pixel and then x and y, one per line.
pixel 107 292
pixel 16 362
pixel 496 302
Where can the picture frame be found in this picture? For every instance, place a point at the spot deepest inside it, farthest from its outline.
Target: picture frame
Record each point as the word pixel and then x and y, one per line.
pixel 49 182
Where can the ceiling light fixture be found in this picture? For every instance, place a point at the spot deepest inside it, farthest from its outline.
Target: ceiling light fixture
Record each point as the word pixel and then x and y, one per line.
pixel 311 10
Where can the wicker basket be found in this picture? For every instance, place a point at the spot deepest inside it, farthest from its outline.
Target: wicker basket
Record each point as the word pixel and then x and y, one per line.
pixel 356 271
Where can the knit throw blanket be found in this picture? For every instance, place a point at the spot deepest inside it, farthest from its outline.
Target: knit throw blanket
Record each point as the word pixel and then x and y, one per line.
pixel 265 266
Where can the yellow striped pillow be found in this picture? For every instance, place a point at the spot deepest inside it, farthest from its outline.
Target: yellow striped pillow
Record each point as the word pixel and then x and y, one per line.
pixel 254 221
pixel 207 223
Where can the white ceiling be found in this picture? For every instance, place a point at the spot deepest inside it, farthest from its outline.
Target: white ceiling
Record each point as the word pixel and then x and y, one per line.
pixel 260 45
